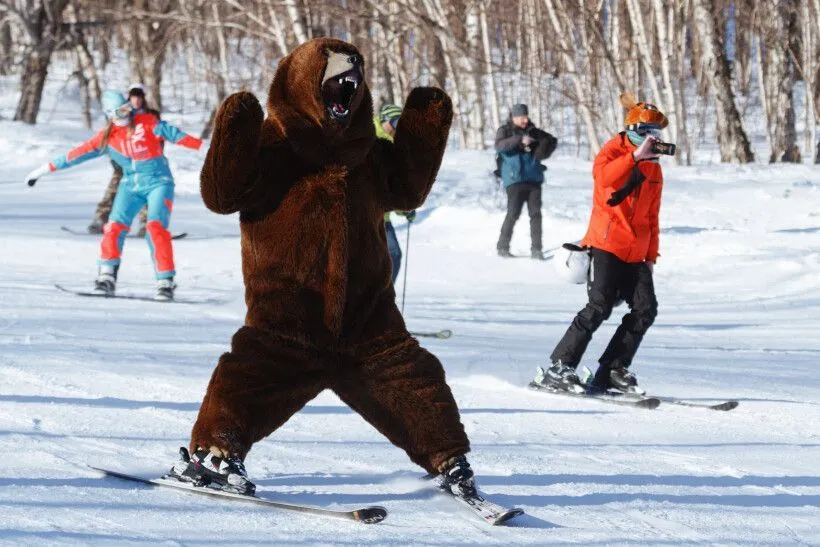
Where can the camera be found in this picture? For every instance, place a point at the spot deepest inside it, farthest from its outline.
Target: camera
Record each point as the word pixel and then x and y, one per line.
pixel 666 148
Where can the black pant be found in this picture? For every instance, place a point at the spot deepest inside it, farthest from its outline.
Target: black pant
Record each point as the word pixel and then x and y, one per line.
pixel 610 280
pixel 517 195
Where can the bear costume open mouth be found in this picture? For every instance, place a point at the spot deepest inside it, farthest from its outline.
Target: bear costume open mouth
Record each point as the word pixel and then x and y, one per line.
pixel 338 92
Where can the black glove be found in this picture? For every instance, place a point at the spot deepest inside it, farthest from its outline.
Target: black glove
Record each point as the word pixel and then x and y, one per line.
pixel 635 179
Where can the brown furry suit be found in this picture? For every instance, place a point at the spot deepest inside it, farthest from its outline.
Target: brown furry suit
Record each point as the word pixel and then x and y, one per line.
pixel 312 193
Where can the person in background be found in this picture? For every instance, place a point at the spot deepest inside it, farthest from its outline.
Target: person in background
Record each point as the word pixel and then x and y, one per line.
pixel 136 96
pixel 385 123
pixel 135 142
pixel 521 147
pixel 622 239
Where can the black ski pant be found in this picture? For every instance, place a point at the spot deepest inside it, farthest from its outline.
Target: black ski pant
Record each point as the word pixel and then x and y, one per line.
pixel 517 195
pixel 610 280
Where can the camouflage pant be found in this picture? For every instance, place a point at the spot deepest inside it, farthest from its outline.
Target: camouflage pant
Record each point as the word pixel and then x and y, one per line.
pixel 104 206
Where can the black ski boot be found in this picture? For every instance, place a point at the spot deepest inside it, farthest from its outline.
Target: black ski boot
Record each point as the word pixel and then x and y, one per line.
pixel 537 255
pixel 505 253
pixel 559 377
pixel 618 379
pixel 203 468
pixel 106 282
pixel 457 478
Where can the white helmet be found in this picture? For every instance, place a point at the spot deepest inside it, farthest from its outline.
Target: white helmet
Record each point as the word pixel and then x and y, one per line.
pixel 572 263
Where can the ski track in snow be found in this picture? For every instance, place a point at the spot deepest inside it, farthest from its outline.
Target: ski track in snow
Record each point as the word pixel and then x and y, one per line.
pixel 118 383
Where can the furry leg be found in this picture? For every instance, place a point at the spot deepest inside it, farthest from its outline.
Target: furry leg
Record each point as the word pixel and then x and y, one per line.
pixel 402 392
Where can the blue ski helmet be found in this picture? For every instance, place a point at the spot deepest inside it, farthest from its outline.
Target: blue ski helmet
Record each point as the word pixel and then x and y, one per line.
pixel 113 102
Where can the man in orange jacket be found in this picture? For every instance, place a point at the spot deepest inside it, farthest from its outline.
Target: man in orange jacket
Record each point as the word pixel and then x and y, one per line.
pixel 622 240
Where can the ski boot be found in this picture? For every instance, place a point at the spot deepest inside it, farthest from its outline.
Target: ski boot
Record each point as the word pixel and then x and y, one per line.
pixel 106 282
pixel 537 255
pixel 96 227
pixel 559 377
pixel 457 478
pixel 618 379
pixel 203 468
pixel 165 289
pixel 505 253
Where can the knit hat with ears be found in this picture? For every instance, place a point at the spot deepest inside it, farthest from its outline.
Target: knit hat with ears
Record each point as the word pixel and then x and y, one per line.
pixel 641 113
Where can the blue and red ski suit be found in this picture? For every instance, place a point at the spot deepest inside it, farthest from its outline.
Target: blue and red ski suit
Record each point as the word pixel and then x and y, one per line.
pixel 147 178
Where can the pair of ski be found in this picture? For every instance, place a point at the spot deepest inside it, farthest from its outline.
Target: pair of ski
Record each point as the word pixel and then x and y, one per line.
pixel 74 232
pixel 488 511
pixel 635 400
pixel 143 298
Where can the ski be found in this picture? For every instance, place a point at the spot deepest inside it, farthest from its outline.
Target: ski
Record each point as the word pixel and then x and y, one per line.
pixel 127 296
pixel 488 511
pixel 367 515
pixel 441 335
pixel 86 233
pixel 635 401
pixel 724 406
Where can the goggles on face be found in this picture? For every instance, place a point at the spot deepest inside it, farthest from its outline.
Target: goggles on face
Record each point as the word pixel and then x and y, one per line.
pixel 394 122
pixel 648 129
pixel 122 111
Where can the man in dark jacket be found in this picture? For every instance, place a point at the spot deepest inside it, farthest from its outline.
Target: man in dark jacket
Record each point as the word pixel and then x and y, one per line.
pixel 521 148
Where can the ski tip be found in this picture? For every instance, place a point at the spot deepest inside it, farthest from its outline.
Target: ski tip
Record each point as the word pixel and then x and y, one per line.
pixel 370 515
pixel 649 402
pixel 728 405
pixel 507 515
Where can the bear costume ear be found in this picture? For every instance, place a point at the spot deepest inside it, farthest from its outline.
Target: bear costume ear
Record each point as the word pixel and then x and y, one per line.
pixel 628 100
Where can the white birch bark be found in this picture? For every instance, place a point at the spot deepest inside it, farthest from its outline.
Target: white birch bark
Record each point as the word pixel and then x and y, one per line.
pixel 732 139
pixel 561 33
pixel 296 21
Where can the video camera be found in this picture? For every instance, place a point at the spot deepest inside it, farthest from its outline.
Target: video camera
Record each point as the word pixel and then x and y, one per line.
pixel 666 148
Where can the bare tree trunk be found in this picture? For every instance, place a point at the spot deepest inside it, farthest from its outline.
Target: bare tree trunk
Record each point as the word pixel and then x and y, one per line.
pixel 276 25
pixel 681 31
pixel 778 29
pixel 473 114
pixel 731 136
pixel 42 25
pixel 148 40
pixel 636 15
pixel 667 45
pixel 296 21
pixel 810 66
pixel 495 112
pixel 5 47
pixel 562 27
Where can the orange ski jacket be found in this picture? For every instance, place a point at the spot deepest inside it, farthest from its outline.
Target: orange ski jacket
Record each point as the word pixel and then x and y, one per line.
pixel 625 203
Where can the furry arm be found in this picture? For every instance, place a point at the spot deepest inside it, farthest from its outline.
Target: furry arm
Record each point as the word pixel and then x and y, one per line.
pixel 231 168
pixel 412 161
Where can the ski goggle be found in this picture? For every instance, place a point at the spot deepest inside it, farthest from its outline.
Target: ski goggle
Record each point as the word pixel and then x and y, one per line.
pixel 648 129
pixel 122 111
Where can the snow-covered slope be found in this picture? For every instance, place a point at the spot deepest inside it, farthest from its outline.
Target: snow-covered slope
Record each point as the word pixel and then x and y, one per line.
pixel 118 383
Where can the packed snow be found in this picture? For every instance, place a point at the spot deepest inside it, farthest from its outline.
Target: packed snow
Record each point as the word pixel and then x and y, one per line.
pixel 117 383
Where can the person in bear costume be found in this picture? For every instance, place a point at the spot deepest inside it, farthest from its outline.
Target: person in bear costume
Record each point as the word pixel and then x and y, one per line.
pixel 311 184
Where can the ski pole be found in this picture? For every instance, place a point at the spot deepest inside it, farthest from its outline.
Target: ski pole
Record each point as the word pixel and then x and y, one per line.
pixel 406 262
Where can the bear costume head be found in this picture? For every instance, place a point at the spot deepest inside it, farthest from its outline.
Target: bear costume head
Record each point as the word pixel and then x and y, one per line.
pixel 320 102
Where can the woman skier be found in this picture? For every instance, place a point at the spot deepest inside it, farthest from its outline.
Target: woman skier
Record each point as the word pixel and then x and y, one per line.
pixel 135 142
